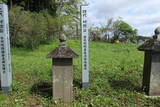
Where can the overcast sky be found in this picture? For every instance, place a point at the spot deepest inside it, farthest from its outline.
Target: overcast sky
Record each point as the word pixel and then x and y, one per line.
pixel 143 15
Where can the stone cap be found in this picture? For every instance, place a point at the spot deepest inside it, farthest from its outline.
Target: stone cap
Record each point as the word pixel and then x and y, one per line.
pixel 62 51
pixel 152 44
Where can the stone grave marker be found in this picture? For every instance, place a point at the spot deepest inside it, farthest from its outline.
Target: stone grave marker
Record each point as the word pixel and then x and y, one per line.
pixel 151 73
pixel 62 69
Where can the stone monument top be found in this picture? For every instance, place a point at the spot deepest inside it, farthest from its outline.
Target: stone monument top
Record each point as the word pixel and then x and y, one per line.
pixel 157 30
pixel 63 40
pixel 157 33
pixel 62 51
pixel 152 44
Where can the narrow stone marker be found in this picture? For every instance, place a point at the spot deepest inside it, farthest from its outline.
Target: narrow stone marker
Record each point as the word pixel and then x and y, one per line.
pixel 62 62
pixel 151 73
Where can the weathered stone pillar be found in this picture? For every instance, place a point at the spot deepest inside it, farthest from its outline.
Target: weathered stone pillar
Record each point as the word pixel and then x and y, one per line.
pixel 151 73
pixel 62 62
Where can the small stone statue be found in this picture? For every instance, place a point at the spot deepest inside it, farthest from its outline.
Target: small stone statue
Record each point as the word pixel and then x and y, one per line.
pixel 63 39
pixel 157 33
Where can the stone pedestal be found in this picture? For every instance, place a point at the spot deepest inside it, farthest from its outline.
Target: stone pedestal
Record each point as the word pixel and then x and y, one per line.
pixel 155 75
pixel 62 79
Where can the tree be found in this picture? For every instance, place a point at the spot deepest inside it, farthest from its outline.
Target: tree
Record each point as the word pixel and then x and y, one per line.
pixel 122 29
pixel 108 26
pixel 65 14
pixel 69 17
pixel 34 5
pixel 95 33
pixel 108 29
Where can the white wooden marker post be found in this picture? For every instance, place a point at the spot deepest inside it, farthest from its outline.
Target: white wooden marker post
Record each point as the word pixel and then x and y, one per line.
pixel 85 57
pixel 5 58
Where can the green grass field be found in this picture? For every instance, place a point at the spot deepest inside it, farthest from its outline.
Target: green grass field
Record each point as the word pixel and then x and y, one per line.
pixel 115 78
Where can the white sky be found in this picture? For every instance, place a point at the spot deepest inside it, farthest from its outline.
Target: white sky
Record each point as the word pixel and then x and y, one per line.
pixel 143 15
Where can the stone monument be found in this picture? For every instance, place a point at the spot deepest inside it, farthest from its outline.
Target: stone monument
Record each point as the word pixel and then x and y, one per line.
pixel 62 69
pixel 151 71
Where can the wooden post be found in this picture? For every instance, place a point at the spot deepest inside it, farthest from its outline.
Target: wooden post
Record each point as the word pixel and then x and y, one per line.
pixel 85 46
pixel 5 57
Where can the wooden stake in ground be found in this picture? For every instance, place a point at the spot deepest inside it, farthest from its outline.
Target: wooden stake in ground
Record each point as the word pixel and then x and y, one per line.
pixel 85 50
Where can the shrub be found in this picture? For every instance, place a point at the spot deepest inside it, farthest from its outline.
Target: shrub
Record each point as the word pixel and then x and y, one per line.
pixel 29 30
